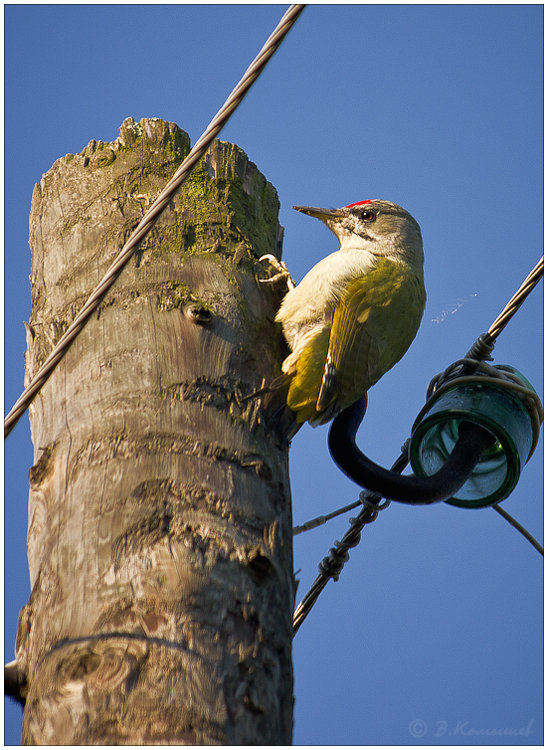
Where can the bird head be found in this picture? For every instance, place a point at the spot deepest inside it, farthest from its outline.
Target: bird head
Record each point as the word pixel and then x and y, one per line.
pixel 379 227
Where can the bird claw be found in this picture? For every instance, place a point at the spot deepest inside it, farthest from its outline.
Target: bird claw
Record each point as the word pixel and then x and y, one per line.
pixel 282 272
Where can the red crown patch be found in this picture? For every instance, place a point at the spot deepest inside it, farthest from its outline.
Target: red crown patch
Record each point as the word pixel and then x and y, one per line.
pixel 359 203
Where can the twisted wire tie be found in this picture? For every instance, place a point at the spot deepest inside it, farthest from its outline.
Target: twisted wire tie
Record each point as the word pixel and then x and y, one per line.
pixel 333 564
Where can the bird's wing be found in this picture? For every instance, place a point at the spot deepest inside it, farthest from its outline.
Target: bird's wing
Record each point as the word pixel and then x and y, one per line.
pixel 372 328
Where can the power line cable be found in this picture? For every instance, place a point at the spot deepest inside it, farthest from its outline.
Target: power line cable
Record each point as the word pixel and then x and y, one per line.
pixel 513 305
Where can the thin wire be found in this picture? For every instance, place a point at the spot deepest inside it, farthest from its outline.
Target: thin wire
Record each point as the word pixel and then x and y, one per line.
pixel 148 220
pixel 339 553
pixel 320 520
pixel 512 521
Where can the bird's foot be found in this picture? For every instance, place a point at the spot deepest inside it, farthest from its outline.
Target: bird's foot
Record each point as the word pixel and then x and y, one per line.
pixel 281 269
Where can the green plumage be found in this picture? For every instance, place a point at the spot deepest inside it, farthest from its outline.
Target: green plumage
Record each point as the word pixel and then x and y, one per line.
pixel 373 325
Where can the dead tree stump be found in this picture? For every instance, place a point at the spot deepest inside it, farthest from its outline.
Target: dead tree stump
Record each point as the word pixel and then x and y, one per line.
pixel 159 542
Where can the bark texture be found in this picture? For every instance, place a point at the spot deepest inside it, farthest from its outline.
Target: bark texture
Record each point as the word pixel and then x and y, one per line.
pixel 159 540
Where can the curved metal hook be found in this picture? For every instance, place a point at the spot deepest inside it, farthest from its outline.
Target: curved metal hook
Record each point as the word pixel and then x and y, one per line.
pixel 473 440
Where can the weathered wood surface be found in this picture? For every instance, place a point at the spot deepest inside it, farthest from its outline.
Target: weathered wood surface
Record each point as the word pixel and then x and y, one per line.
pixel 159 543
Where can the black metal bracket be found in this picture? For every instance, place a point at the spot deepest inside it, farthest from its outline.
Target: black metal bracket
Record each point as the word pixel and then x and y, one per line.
pixel 473 440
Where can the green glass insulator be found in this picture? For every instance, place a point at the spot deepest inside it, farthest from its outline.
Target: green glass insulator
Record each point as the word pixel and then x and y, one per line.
pixel 496 409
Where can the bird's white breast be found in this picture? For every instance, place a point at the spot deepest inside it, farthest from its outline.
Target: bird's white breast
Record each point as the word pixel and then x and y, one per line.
pixel 312 302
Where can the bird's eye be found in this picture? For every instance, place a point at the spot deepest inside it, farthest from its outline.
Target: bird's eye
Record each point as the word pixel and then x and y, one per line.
pixel 369 215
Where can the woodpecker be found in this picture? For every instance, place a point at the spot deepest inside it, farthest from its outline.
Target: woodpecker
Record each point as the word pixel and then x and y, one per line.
pixel 356 312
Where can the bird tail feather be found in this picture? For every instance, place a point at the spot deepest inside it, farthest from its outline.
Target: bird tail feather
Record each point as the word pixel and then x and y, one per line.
pixel 276 412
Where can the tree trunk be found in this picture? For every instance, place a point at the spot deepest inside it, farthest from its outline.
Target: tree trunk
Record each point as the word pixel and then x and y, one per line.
pixel 159 542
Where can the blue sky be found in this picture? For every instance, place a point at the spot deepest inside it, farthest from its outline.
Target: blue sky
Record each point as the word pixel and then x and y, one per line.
pixel 435 627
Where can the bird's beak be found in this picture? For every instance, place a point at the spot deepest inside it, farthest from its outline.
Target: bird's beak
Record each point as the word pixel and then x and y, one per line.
pixel 325 214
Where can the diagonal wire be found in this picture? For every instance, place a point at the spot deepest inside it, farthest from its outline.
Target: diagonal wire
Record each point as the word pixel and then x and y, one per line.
pixel 517 300
pixel 320 520
pixel 512 521
pixel 148 220
pixel 332 565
